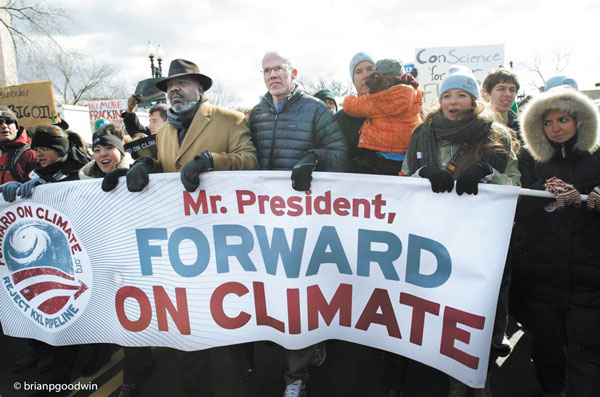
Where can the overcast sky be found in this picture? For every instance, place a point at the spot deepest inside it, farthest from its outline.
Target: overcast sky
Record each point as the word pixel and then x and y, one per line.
pixel 227 38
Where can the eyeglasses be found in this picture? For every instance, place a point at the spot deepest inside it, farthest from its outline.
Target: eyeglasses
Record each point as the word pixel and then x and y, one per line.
pixel 6 121
pixel 279 70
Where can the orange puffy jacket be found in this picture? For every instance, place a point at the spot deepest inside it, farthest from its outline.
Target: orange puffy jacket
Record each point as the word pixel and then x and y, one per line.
pixel 391 115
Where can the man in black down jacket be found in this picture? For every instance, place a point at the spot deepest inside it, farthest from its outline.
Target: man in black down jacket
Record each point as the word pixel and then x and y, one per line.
pixel 295 131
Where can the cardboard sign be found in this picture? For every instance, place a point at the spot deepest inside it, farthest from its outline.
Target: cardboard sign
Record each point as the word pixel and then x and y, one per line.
pixel 433 65
pixel 109 111
pixel 33 103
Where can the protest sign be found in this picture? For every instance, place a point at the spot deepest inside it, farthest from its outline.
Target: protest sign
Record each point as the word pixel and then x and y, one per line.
pixel 33 103
pixel 433 64
pixel 375 260
pixel 144 147
pixel 109 111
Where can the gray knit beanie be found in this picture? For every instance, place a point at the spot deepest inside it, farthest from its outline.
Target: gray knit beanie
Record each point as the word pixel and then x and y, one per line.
pixel 356 59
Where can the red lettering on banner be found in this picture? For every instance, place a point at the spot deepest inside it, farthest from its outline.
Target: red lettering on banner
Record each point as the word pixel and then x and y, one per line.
pixel 341 206
pixel 244 199
pixel 379 300
pixel 450 333
pixel 317 304
pixel 180 315
pixel 145 308
pixel 262 318
pixel 293 303
pixel 420 307
pixel 295 205
pixel 188 202
pixel 323 204
pixel 216 306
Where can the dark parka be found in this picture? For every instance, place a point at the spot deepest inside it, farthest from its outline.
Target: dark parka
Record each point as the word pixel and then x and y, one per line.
pixel 559 250
pixel 304 125
pixel 556 276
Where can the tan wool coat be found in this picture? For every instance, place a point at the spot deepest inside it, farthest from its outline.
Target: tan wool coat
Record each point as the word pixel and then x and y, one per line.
pixel 222 132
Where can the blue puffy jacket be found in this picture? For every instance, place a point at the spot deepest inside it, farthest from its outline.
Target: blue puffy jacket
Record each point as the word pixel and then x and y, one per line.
pixel 303 126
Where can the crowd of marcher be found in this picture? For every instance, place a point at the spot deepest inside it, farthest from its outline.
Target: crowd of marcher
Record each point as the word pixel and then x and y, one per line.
pixel 551 281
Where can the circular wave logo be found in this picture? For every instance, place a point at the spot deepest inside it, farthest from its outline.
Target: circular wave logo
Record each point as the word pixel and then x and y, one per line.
pixel 44 268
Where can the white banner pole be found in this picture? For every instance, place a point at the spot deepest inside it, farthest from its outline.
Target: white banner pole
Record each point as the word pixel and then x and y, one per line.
pixel 543 193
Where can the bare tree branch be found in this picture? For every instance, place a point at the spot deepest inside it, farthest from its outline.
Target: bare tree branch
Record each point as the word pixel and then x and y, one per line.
pixel 338 88
pixel 75 77
pixel 219 96
pixel 543 67
pixel 29 19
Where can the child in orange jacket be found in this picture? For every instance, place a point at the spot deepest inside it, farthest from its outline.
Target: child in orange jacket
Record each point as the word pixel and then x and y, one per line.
pixel 393 110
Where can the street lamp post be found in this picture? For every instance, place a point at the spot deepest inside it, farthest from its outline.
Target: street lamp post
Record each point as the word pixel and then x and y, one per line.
pixel 152 53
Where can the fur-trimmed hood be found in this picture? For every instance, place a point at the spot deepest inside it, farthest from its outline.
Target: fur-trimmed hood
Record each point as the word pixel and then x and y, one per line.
pixel 576 104
pixel 91 169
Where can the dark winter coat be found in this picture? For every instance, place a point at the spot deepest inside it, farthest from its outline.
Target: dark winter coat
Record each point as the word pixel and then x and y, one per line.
pixel 133 125
pixel 24 164
pixel 558 252
pixel 304 125
pixel 350 127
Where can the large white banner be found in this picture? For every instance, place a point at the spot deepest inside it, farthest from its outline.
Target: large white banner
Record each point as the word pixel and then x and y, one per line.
pixel 433 65
pixel 377 260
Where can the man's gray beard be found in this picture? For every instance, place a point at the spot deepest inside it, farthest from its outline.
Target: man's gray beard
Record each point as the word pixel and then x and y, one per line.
pixel 183 107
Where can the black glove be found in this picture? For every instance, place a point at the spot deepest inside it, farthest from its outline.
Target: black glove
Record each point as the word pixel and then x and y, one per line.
pixel 111 180
pixel 440 180
pixel 190 173
pixel 137 176
pixel 9 190
pixel 302 172
pixel 468 181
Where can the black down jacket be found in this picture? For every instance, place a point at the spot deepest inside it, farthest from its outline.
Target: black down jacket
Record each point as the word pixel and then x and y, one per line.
pixel 558 252
pixel 304 125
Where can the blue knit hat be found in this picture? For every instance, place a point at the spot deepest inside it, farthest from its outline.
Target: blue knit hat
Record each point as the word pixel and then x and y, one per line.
pixel 356 59
pixel 559 80
pixel 461 78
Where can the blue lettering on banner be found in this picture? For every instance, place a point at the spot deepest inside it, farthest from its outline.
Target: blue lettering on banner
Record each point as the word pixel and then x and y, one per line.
pixel 223 250
pixel 279 248
pixel 328 249
pixel 202 250
pixel 328 238
pixel 413 263
pixel 385 259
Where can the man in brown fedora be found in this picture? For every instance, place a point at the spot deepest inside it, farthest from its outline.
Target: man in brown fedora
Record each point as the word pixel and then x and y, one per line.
pixel 197 136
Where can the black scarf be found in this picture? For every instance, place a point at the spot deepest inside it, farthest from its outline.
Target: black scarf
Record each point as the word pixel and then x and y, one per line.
pixel 423 147
pixel 182 121
pixel 65 168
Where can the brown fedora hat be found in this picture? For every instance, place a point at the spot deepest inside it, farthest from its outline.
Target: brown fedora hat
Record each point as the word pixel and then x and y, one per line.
pixel 181 68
